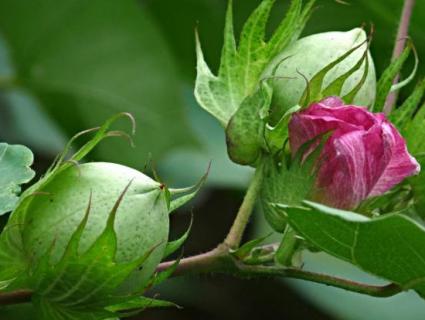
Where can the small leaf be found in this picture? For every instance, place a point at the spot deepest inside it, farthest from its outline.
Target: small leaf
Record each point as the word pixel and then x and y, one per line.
pixel 385 82
pixel 335 87
pixel 15 162
pixel 164 275
pixel 391 246
pixel 247 247
pixel 277 136
pixel 402 116
pixel 245 131
pixel 141 303
pixel 175 245
pixel 349 97
pixel 313 91
pixel 190 192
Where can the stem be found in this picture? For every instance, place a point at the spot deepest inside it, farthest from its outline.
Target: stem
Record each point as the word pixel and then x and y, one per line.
pixel 15 297
pixel 201 263
pixel 400 42
pixel 225 263
pixel 371 290
pixel 235 234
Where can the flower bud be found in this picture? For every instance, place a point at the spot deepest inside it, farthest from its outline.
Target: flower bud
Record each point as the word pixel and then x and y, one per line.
pixel 307 56
pixel 54 213
pixel 364 155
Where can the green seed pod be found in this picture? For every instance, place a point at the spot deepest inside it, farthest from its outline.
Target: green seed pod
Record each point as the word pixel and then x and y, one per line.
pixel 307 56
pixel 142 222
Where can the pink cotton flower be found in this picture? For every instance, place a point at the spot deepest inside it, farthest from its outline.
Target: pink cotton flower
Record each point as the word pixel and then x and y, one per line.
pixel 363 157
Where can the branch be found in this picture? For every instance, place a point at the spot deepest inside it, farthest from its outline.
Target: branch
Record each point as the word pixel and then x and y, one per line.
pixel 349 285
pixel 400 42
pixel 216 261
pixel 15 297
pixel 235 234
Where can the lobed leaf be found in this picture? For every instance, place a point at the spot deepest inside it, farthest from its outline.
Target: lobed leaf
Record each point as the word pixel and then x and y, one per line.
pixel 242 64
pixel 15 162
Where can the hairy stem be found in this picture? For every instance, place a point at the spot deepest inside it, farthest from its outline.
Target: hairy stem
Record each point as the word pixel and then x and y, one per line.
pixel 224 263
pixel 400 42
pixel 371 290
pixel 236 232
pixel 15 297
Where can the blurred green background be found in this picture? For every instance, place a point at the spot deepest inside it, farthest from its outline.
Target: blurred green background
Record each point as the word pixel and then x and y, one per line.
pixel 67 65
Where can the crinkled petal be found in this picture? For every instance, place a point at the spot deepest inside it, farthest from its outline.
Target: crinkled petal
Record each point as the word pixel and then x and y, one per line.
pixel 400 165
pixel 352 166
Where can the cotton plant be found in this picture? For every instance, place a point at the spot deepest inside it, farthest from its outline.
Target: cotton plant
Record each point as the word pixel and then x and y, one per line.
pixel 337 169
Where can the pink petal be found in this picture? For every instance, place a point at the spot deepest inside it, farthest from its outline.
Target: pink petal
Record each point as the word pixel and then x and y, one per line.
pixel 365 155
pixel 354 162
pixel 332 102
pixel 319 119
pixel 401 164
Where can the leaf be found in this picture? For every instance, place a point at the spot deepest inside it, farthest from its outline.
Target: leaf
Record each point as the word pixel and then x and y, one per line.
pixel 160 277
pixel 384 86
pixel 391 246
pixel 87 60
pixel 277 136
pixel 402 116
pixel 190 192
pixel 245 131
pixel 242 64
pixel 175 245
pixel 142 303
pixel 247 247
pixel 15 162
pixel 313 91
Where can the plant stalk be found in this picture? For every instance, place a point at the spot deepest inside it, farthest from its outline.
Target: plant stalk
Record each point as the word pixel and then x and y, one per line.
pixel 400 42
pixel 234 237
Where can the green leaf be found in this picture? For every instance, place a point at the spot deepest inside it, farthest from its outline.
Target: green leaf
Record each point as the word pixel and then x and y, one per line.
pixel 391 246
pixel 160 277
pixel 315 91
pixel 247 247
pixel 85 60
pixel 189 193
pixel 15 162
pixel 245 131
pixel 242 65
pixel 402 116
pixel 141 303
pixel 385 83
pixel 175 245
pixel 277 136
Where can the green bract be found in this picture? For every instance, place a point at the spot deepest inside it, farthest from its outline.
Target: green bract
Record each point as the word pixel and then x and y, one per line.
pixel 141 220
pixel 86 238
pixel 310 55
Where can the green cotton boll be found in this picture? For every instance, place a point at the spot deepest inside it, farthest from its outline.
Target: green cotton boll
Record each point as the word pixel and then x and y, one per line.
pixel 142 221
pixel 309 55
